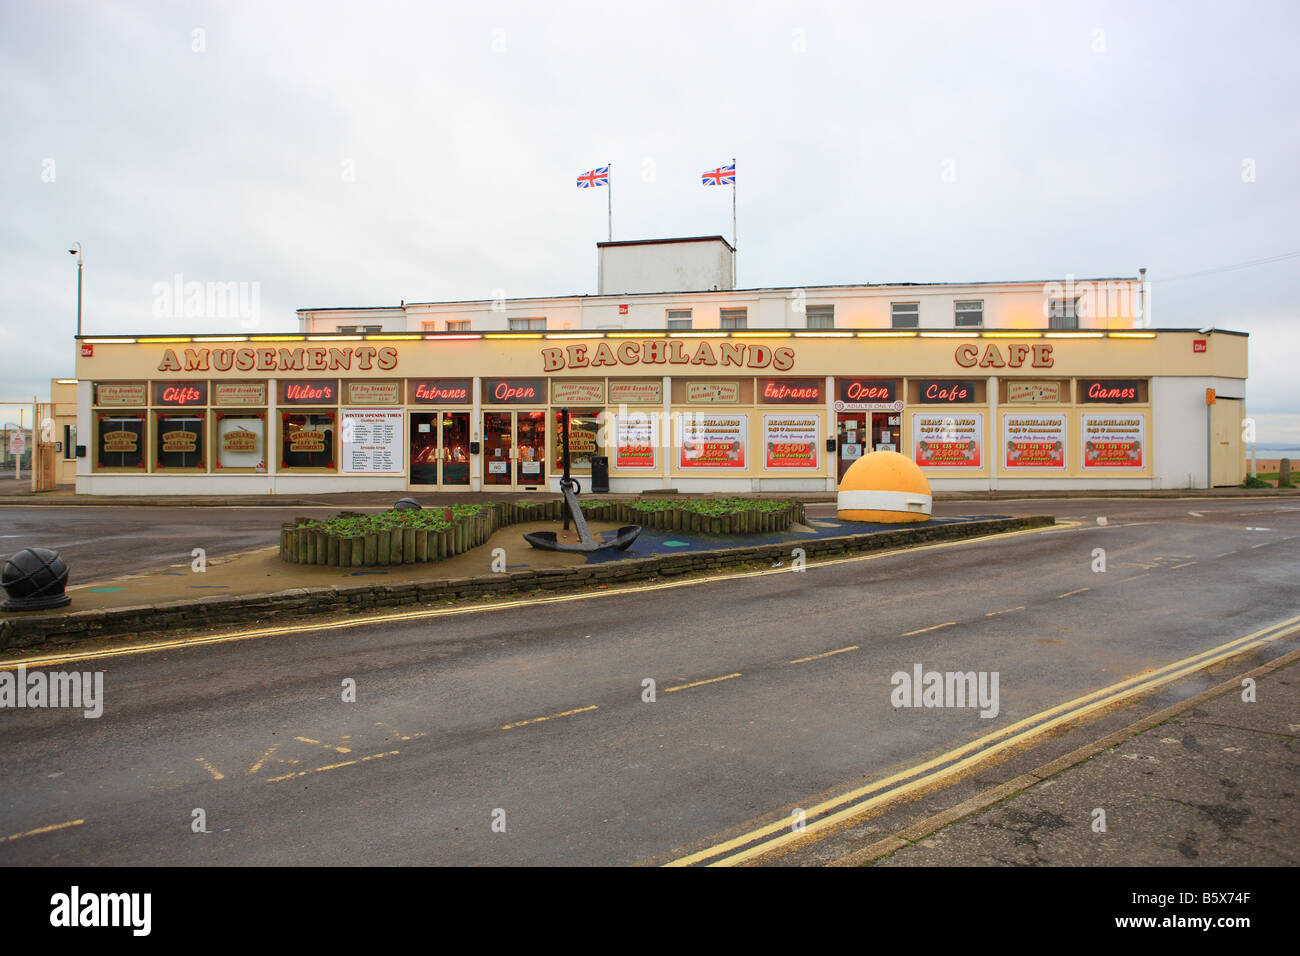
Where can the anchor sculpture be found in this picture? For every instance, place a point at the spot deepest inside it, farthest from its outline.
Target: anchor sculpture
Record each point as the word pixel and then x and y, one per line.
pixel 550 541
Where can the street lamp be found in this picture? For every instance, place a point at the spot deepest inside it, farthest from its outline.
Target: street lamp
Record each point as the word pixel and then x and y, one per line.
pixel 77 252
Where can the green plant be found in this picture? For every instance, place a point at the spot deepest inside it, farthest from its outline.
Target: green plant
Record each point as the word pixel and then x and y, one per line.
pixel 1254 482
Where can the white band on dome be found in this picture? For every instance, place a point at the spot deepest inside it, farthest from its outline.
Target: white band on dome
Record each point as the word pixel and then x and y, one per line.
pixel 905 501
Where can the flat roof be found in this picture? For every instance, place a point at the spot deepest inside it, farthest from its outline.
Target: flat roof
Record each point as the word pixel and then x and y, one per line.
pixel 657 242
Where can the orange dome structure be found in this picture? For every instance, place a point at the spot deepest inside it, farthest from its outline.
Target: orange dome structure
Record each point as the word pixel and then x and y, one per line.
pixel 884 486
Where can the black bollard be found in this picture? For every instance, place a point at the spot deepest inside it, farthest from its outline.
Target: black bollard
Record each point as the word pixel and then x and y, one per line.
pixel 34 579
pixel 408 504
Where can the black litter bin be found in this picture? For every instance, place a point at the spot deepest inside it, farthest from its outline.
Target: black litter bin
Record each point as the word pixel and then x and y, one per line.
pixel 600 474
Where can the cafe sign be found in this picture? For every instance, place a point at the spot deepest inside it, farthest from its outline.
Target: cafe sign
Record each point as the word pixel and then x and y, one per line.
pixel 636 393
pixel 712 393
pixel 578 393
pixel 1034 392
pixel 120 393
pixel 239 393
pixel 374 393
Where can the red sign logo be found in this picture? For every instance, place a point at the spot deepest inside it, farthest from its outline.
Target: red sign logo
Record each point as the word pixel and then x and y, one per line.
pixel 622 310
pixel 428 392
pixel 1098 391
pixel 181 395
pixel 308 392
pixel 505 392
pixel 1200 345
pixel 867 392
pixel 87 351
pixel 938 392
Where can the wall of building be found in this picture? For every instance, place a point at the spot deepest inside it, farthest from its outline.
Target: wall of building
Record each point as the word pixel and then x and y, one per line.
pixel 1005 306
pixel 1024 385
pixel 680 266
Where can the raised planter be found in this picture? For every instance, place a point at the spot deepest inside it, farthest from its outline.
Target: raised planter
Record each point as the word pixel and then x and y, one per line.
pixel 396 546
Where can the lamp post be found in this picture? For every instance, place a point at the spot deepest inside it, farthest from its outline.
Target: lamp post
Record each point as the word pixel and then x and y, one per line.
pixel 77 252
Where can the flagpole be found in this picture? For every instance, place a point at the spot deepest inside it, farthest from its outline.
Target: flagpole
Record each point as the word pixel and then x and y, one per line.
pixel 734 245
pixel 610 200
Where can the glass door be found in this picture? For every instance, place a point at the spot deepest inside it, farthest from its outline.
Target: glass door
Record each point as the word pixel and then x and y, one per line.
pixel 454 436
pixel 531 460
pixel 498 448
pixel 424 448
pixel 439 449
pixel 853 439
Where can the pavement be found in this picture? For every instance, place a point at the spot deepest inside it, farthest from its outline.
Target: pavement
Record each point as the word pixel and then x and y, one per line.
pixel 1216 784
pixel 687 721
pixel 260 570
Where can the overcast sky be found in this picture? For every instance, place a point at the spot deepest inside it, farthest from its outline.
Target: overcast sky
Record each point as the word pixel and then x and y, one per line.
pixel 362 153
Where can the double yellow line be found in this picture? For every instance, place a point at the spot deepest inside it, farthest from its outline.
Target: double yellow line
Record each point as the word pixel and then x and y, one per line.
pixel 838 810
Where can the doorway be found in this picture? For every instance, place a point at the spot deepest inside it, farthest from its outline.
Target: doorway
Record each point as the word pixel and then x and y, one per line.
pixel 439 449
pixel 853 439
pixel 514 450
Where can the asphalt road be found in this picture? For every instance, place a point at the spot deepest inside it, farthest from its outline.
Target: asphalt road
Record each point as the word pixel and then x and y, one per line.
pixel 770 691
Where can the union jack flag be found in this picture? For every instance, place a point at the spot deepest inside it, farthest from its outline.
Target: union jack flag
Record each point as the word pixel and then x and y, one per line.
pixel 596 177
pixel 722 176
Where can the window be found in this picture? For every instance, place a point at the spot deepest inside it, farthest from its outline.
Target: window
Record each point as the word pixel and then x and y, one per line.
pixel 346 328
pixel 1063 314
pixel 178 440
pixel 360 328
pixel 460 325
pixel 372 328
pixel 307 440
pixel 969 314
pixel 119 442
pixel 679 318
pixel 240 441
pixel 735 318
pixel 527 325
pixel 820 316
pixel 905 315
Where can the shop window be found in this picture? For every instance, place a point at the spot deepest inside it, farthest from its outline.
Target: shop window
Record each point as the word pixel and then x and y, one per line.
pixel 584 427
pixel 968 314
pixel 735 318
pixel 307 439
pixel 119 442
pixel 679 319
pixel 905 315
pixel 820 316
pixel 178 441
pixel 240 442
pixel 1063 314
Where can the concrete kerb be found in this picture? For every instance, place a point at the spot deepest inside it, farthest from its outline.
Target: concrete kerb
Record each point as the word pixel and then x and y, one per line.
pixel 275 607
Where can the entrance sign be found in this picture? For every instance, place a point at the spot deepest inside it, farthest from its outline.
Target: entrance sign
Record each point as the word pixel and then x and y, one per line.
pixel 1113 441
pixel 791 441
pixel 372 441
pixel 1034 441
pixel 949 441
